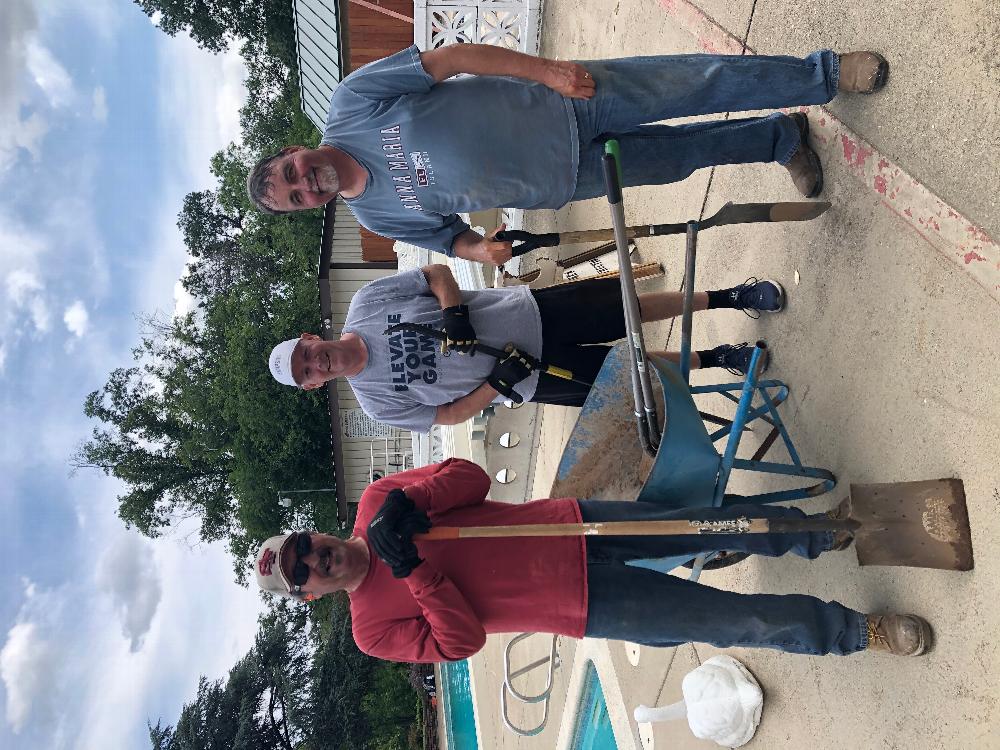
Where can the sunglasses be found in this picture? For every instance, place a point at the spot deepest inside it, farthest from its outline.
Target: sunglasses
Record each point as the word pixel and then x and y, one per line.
pixel 300 571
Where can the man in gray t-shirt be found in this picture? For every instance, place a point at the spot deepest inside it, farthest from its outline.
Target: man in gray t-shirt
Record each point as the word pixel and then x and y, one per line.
pixel 405 380
pixel 408 150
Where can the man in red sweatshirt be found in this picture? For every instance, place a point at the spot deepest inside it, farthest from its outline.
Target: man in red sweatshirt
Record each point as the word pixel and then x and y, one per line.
pixel 435 601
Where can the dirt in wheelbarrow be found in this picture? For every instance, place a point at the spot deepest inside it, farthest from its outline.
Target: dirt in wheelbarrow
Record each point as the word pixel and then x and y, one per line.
pixel 614 467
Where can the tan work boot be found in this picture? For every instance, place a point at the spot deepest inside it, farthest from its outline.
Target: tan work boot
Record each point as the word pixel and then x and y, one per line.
pixel 862 72
pixel 900 635
pixel 804 167
pixel 841 539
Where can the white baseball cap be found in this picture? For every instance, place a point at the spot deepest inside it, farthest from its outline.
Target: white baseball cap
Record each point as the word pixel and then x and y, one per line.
pixel 267 566
pixel 280 362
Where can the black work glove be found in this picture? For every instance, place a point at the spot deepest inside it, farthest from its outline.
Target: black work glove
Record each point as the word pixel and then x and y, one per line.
pixel 383 531
pixel 461 334
pixel 414 522
pixel 409 560
pixel 510 370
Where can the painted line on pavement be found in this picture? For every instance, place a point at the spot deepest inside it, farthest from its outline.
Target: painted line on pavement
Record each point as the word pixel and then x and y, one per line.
pixel 942 227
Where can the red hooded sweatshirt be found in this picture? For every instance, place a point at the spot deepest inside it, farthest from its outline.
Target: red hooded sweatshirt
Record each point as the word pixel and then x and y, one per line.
pixel 467 588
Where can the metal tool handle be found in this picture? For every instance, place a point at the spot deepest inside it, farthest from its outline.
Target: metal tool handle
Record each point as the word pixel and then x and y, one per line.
pixel 687 315
pixel 646 418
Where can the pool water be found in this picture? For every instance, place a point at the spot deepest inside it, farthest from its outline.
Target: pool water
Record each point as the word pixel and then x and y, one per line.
pixel 458 715
pixel 593 729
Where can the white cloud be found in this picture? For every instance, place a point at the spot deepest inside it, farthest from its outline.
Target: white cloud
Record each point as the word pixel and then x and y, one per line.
pixel 28 666
pixel 183 301
pixel 128 573
pixel 40 317
pixel 18 21
pixel 99 110
pixel 36 290
pixel 25 295
pixel 76 318
pixel 20 133
pixel 74 683
pixel 21 285
pixel 49 75
pixel 28 67
pixel 200 96
pixel 206 623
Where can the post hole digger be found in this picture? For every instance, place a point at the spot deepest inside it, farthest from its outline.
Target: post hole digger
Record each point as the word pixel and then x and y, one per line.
pixel 731 213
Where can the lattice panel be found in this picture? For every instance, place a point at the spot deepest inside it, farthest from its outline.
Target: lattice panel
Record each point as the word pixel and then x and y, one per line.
pixel 503 28
pixel 451 26
pixel 498 22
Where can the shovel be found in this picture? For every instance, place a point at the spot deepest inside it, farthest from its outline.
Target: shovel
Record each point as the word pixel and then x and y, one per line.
pixel 911 524
pixel 731 213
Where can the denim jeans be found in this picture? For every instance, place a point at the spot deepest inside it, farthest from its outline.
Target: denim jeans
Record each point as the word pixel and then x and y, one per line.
pixel 633 92
pixel 657 609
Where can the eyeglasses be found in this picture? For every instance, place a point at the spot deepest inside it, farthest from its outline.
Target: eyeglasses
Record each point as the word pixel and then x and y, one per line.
pixel 300 571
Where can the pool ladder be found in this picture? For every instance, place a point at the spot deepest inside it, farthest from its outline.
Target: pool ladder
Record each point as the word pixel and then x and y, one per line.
pixel 552 660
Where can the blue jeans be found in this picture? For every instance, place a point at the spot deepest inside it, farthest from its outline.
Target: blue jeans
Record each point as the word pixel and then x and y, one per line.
pixel 657 609
pixel 634 91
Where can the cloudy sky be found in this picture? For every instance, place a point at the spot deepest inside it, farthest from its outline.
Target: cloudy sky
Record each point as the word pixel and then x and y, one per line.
pixel 105 123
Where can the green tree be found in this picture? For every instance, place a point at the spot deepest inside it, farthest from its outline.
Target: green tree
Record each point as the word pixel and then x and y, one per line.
pixel 389 705
pixel 214 24
pixel 303 685
pixel 197 428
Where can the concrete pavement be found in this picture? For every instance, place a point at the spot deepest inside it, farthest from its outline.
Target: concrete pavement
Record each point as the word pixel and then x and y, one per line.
pixel 889 343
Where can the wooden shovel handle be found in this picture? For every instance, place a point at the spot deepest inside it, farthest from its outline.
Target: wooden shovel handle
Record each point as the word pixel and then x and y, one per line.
pixel 729 526
pixel 607 528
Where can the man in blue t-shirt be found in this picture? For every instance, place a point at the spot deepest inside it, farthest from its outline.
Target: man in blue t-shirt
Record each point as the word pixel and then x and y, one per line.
pixel 408 149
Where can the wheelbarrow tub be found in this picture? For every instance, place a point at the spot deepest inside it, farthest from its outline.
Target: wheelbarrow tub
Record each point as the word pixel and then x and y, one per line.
pixel 603 459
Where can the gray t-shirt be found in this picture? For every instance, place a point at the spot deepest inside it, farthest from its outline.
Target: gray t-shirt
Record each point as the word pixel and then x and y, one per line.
pixel 435 150
pixel 407 377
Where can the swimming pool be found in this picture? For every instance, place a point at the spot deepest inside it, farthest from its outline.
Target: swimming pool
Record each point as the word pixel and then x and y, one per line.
pixel 456 706
pixel 593 729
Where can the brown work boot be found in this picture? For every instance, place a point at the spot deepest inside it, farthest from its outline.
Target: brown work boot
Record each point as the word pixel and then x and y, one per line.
pixel 841 539
pixel 899 635
pixel 862 72
pixel 804 166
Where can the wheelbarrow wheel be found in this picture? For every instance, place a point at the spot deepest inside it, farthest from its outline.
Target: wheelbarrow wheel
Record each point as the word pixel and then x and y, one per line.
pixel 721 560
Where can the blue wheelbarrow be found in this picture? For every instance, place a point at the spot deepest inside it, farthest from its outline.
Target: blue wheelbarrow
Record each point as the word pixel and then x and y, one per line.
pixel 675 461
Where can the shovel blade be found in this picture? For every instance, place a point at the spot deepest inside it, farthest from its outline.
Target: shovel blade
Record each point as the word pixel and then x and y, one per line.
pixel 913 524
pixel 752 213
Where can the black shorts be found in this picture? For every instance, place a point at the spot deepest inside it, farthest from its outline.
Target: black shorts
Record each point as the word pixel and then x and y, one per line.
pixel 577 319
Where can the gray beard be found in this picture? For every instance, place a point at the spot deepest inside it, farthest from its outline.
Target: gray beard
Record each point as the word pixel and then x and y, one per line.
pixel 327 179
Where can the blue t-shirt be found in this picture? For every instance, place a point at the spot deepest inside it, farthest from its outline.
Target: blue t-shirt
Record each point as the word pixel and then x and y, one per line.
pixel 406 377
pixel 435 150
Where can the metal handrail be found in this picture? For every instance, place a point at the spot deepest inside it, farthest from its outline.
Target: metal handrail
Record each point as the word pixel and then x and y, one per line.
pixel 543 697
pixel 401 458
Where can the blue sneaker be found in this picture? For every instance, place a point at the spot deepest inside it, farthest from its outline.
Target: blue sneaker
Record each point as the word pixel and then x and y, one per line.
pixel 736 358
pixel 755 296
